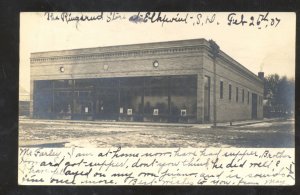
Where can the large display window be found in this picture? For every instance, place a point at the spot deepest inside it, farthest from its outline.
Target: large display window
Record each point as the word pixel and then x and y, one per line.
pixel 160 99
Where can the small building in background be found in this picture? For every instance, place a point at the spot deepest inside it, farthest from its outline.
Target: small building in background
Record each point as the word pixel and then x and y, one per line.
pixel 161 82
pixel 24 102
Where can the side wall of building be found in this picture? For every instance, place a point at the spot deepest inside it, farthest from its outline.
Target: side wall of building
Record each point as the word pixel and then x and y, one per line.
pixel 232 110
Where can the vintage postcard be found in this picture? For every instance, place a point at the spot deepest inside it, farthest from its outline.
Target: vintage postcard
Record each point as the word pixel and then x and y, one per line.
pixel 157 98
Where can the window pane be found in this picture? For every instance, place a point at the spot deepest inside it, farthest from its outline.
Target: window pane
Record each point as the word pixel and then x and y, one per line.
pixel 131 98
pixel 237 94
pixel 62 84
pixel 221 89
pixel 63 102
pixel 229 96
pixel 43 104
pixel 243 95
pixel 183 95
pixel 43 85
pixel 85 83
pixel 156 96
pixel 248 97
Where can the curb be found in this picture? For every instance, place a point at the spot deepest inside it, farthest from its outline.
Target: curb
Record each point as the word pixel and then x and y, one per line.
pixel 238 124
pixel 142 124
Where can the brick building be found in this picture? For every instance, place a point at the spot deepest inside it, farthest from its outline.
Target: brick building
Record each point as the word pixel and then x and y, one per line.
pixel 178 81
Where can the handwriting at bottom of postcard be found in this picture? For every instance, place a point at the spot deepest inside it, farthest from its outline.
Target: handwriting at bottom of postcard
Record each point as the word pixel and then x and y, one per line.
pixel 156 166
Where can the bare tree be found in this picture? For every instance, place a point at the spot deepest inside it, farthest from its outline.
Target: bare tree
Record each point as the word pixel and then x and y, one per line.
pixel 280 95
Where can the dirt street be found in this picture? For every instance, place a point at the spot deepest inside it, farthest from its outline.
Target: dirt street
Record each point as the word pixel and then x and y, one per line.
pixel 47 133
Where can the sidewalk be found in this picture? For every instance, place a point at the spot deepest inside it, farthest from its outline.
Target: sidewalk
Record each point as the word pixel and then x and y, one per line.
pixel 118 123
pixel 103 122
pixel 246 122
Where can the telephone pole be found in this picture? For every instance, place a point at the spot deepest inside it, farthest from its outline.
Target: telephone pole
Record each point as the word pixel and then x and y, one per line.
pixel 215 49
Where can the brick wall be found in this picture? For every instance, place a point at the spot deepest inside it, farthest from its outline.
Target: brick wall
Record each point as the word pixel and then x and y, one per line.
pixel 168 65
pixel 231 110
pixel 175 58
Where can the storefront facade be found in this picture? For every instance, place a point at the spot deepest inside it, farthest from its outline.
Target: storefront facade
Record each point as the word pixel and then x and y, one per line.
pixel 157 82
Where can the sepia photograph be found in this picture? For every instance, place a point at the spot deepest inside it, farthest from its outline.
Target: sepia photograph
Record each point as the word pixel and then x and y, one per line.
pixel 112 79
pixel 157 98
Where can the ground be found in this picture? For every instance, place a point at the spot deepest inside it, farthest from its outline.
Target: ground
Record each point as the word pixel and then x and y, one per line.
pixel 50 133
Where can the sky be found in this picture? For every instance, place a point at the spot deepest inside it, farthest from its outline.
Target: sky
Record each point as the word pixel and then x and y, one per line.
pixel 262 47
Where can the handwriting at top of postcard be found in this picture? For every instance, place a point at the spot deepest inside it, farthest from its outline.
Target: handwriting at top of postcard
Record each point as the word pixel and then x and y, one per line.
pixel 157 98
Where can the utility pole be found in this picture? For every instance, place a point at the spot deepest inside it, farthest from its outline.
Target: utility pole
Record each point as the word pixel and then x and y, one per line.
pixel 215 49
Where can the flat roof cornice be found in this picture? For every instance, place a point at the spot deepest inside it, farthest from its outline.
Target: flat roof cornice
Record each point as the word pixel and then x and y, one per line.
pixel 121 48
pixel 132 50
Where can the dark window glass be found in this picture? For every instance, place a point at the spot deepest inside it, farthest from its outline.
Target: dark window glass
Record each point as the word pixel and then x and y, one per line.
pixel 237 94
pixel 106 99
pixel 221 89
pixel 248 99
pixel 243 95
pixel 183 96
pixel 43 101
pixel 135 82
pixel 156 95
pixel 156 82
pixel 229 96
pixel 131 98
pixel 85 83
pixel 63 102
pixel 62 84
pixel 43 85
